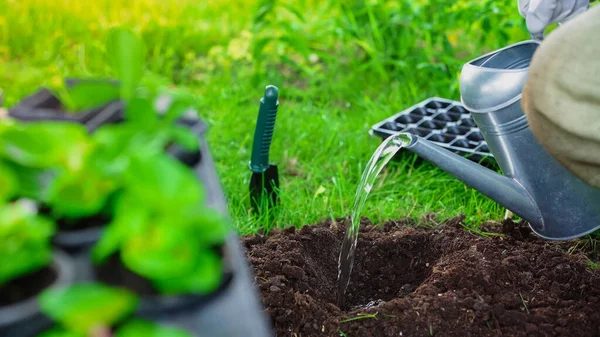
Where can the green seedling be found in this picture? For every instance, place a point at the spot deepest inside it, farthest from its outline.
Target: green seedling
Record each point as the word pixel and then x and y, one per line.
pixel 524 304
pixel 82 310
pixel 160 226
pixel 366 316
pixel 162 229
pixel 56 167
pixel 138 327
pixel 85 95
pixel 126 54
pixel 125 51
pixel 24 240
pixel 83 307
pixel 44 144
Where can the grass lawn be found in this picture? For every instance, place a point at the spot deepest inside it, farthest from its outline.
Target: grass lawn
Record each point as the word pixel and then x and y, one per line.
pixel 341 66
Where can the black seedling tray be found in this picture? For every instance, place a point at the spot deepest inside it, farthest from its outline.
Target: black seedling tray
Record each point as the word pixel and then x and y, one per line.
pixel 44 105
pixel 444 122
pixel 234 309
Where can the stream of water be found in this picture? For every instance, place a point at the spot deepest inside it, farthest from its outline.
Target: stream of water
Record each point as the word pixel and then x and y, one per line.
pixel 384 153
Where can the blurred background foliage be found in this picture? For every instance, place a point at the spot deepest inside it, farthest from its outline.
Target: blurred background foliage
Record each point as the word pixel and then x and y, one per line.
pixel 341 66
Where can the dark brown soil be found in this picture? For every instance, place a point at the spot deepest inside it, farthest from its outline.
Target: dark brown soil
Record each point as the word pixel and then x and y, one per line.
pixel 27 286
pixel 416 282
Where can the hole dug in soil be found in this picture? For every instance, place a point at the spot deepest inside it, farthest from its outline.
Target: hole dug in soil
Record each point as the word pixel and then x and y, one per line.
pixel 418 282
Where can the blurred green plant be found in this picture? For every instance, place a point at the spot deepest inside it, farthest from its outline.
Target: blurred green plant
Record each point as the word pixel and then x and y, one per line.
pixel 160 225
pixel 125 52
pixel 138 327
pixel 82 309
pixel 161 229
pixel 25 244
pixel 344 65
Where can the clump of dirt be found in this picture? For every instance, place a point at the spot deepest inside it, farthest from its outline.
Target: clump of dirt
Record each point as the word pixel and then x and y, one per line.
pixel 425 282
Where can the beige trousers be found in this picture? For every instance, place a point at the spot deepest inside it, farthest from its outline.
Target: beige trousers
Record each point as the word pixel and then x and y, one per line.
pixel 561 97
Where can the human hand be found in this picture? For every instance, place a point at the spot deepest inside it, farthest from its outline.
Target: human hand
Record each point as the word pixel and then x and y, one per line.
pixel 539 14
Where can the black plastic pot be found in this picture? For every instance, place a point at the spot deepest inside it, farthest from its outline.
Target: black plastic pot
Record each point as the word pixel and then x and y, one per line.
pixel 24 319
pixel 44 106
pixel 75 242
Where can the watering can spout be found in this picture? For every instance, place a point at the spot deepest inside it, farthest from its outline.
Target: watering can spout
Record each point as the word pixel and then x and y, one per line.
pixel 506 191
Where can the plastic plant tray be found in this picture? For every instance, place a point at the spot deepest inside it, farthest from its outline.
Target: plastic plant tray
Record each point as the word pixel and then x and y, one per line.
pixel 442 121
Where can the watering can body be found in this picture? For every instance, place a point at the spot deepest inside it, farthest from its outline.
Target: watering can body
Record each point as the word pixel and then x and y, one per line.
pixel 534 185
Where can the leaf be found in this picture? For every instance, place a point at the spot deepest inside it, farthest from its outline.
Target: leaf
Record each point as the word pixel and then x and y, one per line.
pixel 163 183
pixel 9 183
pixel 162 251
pixel 60 332
pixel 92 94
pixel 24 240
pixel 129 219
pixel 116 144
pixel 126 53
pixel 184 137
pixel 143 328
pixel 204 280
pixel 141 112
pixel 79 194
pixel 84 306
pixel 33 182
pixel 211 227
pixel 46 144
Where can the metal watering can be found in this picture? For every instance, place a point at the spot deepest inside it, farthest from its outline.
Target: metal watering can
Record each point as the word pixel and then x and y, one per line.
pixel 557 205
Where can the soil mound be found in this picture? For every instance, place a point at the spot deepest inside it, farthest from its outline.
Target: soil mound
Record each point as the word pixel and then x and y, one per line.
pixel 425 282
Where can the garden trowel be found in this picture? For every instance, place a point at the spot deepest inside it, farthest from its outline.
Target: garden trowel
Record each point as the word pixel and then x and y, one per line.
pixel 264 182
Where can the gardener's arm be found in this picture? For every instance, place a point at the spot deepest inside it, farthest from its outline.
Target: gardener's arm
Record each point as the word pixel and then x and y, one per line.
pixel 561 97
pixel 539 14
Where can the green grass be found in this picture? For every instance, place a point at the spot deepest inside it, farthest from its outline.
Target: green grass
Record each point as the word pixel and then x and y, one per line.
pixel 341 66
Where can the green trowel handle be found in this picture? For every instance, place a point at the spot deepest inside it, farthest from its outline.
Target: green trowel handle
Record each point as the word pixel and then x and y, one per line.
pixel 264 130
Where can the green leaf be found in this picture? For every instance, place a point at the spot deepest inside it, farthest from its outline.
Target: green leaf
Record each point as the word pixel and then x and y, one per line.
pixel 163 250
pixel 126 53
pixel 24 240
pixel 143 328
pixel 32 182
pixel 46 144
pixel 210 226
pixel 163 183
pixel 129 219
pixel 9 183
pixel 205 279
pixel 60 332
pixel 79 194
pixel 91 94
pixel 84 306
pixel 184 137
pixel 141 112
